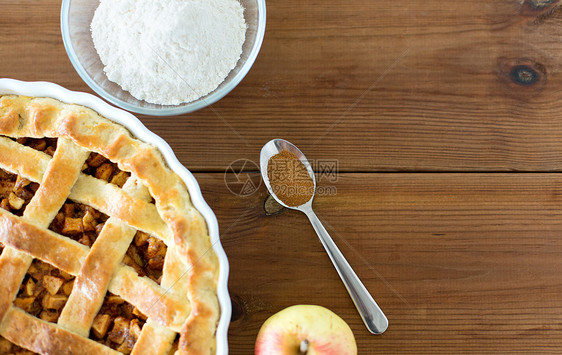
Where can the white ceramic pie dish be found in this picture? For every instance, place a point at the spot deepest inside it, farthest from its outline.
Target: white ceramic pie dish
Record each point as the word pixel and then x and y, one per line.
pixel 135 126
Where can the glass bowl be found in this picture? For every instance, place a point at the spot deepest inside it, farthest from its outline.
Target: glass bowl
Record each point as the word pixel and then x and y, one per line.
pixel 76 16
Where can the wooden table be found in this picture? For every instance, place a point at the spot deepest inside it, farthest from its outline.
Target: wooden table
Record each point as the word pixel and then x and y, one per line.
pixel 445 121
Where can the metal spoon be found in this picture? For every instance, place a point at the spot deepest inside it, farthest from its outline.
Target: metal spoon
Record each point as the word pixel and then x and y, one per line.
pixel 373 317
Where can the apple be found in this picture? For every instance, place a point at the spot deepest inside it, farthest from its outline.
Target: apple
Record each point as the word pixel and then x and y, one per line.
pixel 305 330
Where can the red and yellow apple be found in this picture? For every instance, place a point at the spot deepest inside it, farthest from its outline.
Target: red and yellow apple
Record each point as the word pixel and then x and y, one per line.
pixel 305 330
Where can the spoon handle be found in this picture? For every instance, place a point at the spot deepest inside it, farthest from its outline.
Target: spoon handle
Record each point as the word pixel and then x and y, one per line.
pixel 372 315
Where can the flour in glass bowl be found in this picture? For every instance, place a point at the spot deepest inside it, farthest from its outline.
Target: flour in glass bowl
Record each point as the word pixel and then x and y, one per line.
pixel 168 51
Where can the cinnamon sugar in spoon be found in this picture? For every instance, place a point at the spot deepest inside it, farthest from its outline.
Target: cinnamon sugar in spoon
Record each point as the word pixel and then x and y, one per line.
pixel 290 180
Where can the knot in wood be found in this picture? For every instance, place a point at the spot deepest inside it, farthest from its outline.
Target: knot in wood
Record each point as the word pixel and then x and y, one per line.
pixel 524 75
pixel 541 4
pixel 522 72
pixel 537 7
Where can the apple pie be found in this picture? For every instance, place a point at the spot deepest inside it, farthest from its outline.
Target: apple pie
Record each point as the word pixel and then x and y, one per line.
pixel 102 251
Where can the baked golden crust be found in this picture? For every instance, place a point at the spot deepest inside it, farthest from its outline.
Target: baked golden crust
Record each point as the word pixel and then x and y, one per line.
pixel 185 302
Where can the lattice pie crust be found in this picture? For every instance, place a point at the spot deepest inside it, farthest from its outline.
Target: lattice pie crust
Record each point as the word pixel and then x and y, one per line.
pixel 73 276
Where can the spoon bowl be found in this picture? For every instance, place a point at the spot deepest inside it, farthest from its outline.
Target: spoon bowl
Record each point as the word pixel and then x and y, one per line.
pixel 373 317
pixel 274 147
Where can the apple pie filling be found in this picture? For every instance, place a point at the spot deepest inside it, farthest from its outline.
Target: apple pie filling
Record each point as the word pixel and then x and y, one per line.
pixel 102 168
pixel 44 291
pixel 15 192
pixel 79 222
pixel 45 145
pixel 146 255
pixel 118 324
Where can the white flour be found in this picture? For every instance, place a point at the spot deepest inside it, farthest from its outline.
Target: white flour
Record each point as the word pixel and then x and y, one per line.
pixel 168 51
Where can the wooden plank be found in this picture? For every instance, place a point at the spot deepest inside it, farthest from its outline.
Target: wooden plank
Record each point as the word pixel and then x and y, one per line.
pixel 380 86
pixel 460 263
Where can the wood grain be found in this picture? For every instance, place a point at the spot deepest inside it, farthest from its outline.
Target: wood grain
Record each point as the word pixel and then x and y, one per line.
pixel 380 86
pixel 464 262
pixel 460 263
